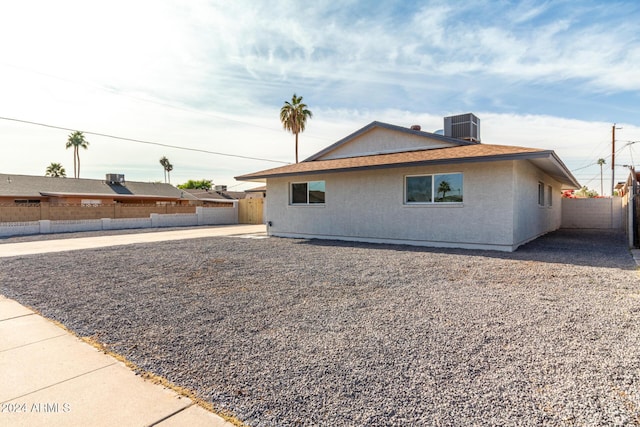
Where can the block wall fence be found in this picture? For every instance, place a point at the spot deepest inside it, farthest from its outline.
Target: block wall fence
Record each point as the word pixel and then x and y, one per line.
pixel 198 216
pixel 60 212
pixel 606 213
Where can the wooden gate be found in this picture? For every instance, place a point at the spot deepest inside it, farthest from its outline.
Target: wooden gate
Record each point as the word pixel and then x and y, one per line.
pixel 250 211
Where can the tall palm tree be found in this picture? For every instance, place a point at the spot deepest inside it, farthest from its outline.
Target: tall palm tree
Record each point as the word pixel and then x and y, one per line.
pixel 601 162
pixel 169 168
pixel 164 162
pixel 55 170
pixel 76 140
pixel 293 116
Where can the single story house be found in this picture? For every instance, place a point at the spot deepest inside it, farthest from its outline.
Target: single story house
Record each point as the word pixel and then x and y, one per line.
pixel 391 184
pixel 214 197
pixel 256 192
pixel 31 189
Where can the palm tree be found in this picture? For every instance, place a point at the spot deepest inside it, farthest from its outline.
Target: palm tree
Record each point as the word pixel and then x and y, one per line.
pixel 169 168
pixel 443 188
pixel 76 140
pixel 164 162
pixel 55 170
pixel 601 162
pixel 293 116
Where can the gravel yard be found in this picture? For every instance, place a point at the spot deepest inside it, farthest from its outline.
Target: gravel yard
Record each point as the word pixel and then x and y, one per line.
pixel 285 332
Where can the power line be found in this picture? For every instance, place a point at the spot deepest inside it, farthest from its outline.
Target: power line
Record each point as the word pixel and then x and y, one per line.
pixel 587 166
pixel 177 147
pixel 119 93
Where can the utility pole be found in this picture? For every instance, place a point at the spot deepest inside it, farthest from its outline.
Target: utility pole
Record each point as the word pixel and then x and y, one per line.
pixel 613 157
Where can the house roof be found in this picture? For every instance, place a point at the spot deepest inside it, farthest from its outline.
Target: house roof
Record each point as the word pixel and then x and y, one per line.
pixel 217 196
pixel 29 186
pixel 376 124
pixel 465 152
pixel 261 189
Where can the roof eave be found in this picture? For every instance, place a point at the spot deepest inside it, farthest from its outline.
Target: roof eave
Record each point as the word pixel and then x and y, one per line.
pixel 474 159
pixel 559 171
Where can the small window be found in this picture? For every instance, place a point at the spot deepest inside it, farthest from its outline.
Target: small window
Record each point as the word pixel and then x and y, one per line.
pixel 439 188
pixel 540 194
pixel 308 193
pixel 549 196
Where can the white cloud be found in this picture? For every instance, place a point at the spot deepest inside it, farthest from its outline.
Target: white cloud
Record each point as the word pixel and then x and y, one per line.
pixel 213 75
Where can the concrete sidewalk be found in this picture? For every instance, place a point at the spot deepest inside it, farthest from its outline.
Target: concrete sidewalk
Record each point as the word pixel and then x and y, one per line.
pixel 70 244
pixel 49 377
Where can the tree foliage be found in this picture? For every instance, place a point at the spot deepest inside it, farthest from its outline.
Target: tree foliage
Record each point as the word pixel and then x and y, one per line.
pixel 76 140
pixel 585 192
pixel 168 167
pixel 293 116
pixel 202 184
pixel 56 170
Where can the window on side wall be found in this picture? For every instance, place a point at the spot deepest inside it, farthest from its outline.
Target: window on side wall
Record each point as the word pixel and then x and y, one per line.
pixel 307 193
pixel 436 188
pixel 549 196
pixel 540 194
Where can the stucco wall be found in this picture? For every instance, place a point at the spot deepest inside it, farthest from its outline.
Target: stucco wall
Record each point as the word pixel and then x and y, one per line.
pixel 381 140
pixel 530 219
pixel 369 206
pixel 500 209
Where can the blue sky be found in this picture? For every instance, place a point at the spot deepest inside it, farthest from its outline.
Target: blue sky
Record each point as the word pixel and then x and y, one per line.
pixel 212 76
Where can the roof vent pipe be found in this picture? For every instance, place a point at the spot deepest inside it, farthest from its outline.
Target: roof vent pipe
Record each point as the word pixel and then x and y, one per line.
pixel 416 127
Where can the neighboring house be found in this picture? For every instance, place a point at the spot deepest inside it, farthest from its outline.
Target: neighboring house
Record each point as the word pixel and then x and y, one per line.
pixel 216 197
pixel 390 184
pixel 113 189
pixel 256 193
pixel 220 195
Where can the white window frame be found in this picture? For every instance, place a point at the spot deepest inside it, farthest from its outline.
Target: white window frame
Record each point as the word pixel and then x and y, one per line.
pixel 433 189
pixel 549 196
pixel 541 198
pixel 308 202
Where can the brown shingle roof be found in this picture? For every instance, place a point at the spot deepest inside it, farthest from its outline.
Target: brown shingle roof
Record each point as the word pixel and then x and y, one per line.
pixel 465 153
pixel 36 186
pixel 213 195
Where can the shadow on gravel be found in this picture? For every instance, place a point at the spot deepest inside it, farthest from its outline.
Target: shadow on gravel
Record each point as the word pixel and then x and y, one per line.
pixel 587 247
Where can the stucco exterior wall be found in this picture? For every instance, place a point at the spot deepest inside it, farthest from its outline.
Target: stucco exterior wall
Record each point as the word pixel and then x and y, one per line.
pixel 382 140
pixel 530 219
pixel 369 206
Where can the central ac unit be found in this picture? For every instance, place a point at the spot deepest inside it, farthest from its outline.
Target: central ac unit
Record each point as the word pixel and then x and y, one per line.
pixel 114 178
pixel 463 126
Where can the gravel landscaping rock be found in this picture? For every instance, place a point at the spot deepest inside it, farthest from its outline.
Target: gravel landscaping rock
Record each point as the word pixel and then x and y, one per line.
pixel 284 332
